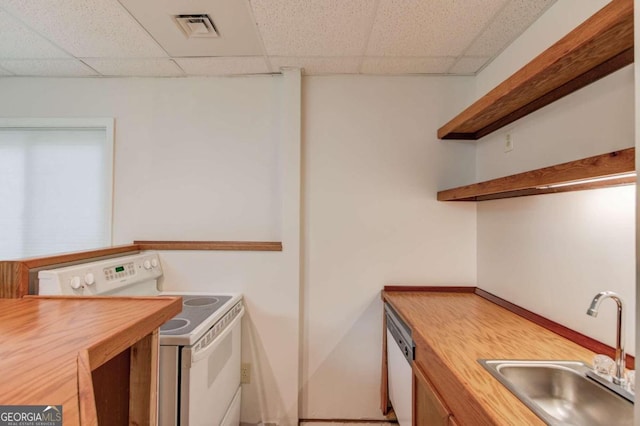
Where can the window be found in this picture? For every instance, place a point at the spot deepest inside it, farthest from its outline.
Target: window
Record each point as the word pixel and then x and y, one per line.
pixel 55 185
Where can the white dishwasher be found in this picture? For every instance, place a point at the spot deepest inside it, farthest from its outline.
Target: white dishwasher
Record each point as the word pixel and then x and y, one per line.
pixel 400 356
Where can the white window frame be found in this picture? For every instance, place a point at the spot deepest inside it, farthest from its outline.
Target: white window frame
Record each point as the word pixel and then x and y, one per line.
pixel 107 123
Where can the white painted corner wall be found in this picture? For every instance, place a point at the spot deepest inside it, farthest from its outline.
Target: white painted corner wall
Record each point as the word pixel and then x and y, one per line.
pixel 372 168
pixel 551 254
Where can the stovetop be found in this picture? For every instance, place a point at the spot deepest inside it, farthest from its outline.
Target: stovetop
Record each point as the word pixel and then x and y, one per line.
pixel 201 312
pixel 196 309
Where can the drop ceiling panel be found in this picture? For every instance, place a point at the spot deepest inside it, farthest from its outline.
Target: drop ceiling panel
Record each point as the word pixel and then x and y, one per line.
pixel 512 20
pixel 47 67
pixel 4 72
pixel 429 27
pixel 468 65
pixel 232 19
pixel 391 65
pixel 86 28
pixel 224 66
pixel 141 38
pixel 18 42
pixel 135 67
pixel 314 27
pixel 318 66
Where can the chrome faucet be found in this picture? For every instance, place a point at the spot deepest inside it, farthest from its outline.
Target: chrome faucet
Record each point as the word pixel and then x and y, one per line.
pixel 620 360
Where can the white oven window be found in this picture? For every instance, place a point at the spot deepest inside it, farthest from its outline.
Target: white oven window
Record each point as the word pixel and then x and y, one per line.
pixel 55 185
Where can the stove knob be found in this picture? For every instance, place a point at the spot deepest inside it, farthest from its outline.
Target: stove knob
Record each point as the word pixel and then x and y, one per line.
pixel 147 264
pixel 154 262
pixel 75 283
pixel 89 279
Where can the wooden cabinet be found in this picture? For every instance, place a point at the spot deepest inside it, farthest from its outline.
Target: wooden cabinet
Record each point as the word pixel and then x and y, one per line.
pixel 428 407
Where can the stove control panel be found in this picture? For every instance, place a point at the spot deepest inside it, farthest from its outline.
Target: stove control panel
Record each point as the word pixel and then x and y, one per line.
pixel 116 272
pixel 127 275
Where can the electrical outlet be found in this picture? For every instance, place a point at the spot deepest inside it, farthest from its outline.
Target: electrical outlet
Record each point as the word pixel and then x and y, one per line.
pixel 508 143
pixel 245 373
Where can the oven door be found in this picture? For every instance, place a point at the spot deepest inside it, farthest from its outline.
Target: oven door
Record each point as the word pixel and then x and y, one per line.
pixel 210 377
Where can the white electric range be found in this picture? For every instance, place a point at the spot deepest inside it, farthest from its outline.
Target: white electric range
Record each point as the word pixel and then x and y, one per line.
pixel 199 381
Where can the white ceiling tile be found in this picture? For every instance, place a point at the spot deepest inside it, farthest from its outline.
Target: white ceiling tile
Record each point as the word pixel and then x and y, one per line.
pixel 232 18
pixel 314 27
pixel 512 20
pixel 18 42
pixel 316 66
pixel 224 66
pixel 86 28
pixel 428 28
pixel 4 72
pixel 393 65
pixel 135 67
pixel 47 67
pixel 469 65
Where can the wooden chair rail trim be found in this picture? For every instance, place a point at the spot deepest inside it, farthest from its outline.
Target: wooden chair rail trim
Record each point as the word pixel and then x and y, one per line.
pixel 210 245
pixel 567 333
pixel 530 183
pixel 599 46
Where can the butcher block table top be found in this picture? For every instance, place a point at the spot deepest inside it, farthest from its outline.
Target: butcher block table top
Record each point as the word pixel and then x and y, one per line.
pixel 454 330
pixel 41 338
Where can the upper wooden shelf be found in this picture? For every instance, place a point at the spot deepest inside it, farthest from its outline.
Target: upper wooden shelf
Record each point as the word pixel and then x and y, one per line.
pixel 543 181
pixel 599 46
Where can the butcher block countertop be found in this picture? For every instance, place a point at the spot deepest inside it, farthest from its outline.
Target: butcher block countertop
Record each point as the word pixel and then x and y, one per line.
pixel 41 340
pixel 453 330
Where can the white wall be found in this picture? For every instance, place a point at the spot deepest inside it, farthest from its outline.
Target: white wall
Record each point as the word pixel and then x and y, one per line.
pixel 372 168
pixel 201 159
pixel 636 16
pixel 551 254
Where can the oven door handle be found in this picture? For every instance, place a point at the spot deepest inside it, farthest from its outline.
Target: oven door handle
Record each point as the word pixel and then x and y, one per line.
pixel 205 351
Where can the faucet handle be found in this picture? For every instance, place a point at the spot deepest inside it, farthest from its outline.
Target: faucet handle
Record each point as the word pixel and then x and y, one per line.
pixel 630 377
pixel 603 365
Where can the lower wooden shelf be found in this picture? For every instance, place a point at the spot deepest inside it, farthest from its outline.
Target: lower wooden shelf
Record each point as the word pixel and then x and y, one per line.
pixel 611 169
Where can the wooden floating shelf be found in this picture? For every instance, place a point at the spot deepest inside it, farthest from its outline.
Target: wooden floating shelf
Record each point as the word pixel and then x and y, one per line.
pixel 598 47
pixel 537 182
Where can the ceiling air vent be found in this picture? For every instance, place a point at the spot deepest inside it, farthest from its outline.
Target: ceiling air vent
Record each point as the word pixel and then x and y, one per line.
pixel 196 26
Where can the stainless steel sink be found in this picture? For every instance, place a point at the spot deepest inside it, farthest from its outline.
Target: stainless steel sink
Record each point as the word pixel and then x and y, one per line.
pixel 563 392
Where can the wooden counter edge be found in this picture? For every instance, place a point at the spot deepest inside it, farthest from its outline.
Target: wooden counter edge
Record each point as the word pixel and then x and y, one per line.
pixel 86 396
pixel 143 394
pixel 384 382
pixel 112 345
